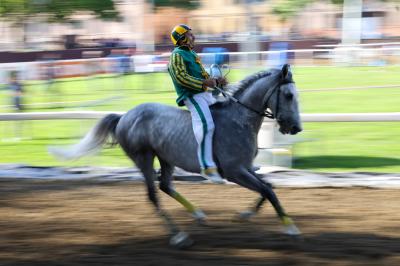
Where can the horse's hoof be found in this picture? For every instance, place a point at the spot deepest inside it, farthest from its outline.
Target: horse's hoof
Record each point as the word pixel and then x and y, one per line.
pixel 291 230
pixel 181 241
pixel 289 227
pixel 200 217
pixel 245 215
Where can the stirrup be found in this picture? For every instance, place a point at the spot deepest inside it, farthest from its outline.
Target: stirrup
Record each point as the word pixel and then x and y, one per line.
pixel 212 175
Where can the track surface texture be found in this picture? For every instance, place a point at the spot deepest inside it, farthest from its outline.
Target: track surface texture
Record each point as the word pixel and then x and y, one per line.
pixel 89 222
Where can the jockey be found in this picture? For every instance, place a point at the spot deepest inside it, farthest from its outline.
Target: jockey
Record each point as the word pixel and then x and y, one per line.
pixel 191 83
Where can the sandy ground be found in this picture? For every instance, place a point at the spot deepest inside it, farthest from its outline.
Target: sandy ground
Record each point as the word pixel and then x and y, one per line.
pixel 112 223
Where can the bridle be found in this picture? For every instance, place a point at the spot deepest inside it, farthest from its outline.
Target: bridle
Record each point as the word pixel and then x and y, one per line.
pixel 266 113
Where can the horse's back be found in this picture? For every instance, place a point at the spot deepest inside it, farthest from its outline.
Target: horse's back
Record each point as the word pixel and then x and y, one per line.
pixel 147 111
pixel 161 128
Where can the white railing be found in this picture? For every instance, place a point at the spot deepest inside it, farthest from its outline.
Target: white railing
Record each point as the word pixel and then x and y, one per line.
pixel 351 117
pixel 269 154
pixel 78 115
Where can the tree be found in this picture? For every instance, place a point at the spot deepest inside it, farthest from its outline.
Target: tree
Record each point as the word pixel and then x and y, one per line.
pixel 288 8
pixel 21 11
pixel 185 4
pixel 56 10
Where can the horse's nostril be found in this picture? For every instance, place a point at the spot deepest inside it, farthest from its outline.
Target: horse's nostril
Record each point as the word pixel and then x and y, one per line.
pixel 295 130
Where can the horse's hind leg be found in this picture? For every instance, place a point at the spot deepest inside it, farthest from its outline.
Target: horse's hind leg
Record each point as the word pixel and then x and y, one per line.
pixel 246 215
pixel 250 181
pixel 167 187
pixel 144 160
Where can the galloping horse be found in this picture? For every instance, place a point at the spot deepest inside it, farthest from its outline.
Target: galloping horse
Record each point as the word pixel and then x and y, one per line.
pixel 155 130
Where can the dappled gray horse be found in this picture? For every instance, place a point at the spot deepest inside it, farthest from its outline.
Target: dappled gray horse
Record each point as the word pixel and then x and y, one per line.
pixel 155 130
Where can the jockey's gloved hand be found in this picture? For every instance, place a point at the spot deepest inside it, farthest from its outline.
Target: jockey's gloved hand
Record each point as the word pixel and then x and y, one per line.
pixel 210 83
pixel 221 82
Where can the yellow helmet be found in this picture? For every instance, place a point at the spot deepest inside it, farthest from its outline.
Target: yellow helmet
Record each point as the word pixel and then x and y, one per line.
pixel 179 32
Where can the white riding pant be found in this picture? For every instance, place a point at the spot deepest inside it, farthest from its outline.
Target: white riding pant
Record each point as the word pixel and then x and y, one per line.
pixel 203 126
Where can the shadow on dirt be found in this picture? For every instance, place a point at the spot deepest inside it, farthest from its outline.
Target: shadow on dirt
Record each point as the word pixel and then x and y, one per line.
pixel 218 244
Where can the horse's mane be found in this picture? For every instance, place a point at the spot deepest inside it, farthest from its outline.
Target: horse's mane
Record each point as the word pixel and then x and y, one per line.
pixel 238 88
pixel 235 89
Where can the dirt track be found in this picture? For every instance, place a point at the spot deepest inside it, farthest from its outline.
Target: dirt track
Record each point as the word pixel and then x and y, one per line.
pixel 93 223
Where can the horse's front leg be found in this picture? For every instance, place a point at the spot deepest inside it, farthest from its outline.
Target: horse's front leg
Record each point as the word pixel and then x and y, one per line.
pixel 246 215
pixel 247 179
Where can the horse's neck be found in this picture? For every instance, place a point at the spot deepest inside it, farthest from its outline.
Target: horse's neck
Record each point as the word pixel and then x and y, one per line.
pixel 254 98
pixel 254 95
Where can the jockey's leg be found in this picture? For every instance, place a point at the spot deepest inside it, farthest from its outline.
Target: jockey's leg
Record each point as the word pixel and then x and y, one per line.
pixel 203 128
pixel 250 181
pixel 167 187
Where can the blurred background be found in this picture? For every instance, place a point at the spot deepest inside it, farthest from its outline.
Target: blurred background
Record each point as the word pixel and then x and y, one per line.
pixel 104 55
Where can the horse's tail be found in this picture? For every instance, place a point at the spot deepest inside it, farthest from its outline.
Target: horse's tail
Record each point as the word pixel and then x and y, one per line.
pixel 92 142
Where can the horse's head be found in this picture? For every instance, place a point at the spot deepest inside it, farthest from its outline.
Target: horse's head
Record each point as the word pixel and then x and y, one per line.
pixel 272 94
pixel 284 103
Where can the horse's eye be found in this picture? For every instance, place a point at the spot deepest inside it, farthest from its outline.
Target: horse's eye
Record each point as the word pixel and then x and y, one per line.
pixel 289 96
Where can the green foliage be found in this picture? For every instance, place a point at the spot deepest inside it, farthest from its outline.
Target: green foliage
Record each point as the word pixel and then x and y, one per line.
pixel 56 10
pixel 12 7
pixel 287 8
pixel 184 4
pixel 340 2
pixel 337 2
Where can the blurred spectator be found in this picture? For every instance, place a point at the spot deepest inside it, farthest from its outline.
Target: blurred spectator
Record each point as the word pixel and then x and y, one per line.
pixel 49 71
pixel 217 55
pixel 70 41
pixel 125 61
pixel 279 55
pixel 48 74
pixel 15 87
pixel 120 63
pixel 111 43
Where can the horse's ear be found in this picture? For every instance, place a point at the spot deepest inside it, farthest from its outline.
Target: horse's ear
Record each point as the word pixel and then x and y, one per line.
pixel 285 70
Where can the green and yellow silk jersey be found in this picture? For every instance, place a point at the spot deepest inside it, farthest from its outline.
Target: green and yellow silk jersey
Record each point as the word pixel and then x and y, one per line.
pixel 187 73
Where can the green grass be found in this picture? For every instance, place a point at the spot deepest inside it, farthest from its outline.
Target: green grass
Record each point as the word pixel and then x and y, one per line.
pixel 331 146
pixel 348 101
pixel 363 146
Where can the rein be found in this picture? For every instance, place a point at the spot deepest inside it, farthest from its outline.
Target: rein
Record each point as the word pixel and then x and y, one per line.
pixel 265 113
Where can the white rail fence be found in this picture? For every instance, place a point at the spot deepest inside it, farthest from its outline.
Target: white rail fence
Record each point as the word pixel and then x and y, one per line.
pixel 273 148
pixel 332 117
